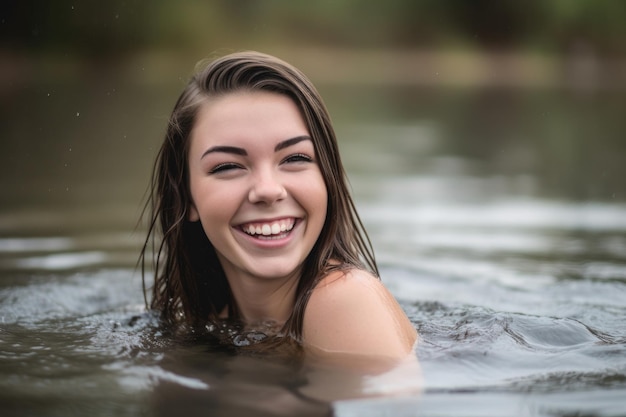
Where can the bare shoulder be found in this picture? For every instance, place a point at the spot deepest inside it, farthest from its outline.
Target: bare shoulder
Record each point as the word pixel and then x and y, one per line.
pixel 352 312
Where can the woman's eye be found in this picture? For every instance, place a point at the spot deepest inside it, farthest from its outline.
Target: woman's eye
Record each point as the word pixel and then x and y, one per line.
pixel 221 168
pixel 298 157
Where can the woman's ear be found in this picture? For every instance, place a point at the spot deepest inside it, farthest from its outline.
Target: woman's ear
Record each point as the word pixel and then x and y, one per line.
pixel 193 215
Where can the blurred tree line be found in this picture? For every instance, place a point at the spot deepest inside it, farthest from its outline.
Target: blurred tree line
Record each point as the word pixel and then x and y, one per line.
pixel 114 27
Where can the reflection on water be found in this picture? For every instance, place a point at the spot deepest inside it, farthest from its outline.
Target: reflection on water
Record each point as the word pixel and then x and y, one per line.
pixel 506 248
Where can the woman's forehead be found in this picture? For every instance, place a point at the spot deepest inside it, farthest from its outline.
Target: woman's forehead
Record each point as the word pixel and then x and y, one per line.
pixel 248 118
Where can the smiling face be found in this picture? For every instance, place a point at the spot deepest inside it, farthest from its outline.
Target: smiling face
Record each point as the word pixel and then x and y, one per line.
pixel 255 184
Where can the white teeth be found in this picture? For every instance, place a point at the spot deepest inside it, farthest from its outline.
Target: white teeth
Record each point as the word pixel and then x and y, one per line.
pixel 269 229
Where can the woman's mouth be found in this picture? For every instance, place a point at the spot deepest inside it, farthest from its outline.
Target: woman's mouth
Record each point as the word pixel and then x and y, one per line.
pixel 276 229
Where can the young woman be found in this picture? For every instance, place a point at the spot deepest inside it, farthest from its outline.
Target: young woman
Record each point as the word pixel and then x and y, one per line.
pixel 256 227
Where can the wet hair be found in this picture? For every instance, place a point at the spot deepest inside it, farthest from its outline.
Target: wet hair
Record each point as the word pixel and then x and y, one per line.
pixel 190 286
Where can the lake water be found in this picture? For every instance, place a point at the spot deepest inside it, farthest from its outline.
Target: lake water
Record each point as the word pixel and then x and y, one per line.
pixel 498 219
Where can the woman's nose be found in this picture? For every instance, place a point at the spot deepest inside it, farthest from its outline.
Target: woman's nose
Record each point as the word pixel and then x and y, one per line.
pixel 266 188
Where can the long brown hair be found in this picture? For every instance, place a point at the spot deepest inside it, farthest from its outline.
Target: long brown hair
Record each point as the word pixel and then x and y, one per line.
pixel 190 285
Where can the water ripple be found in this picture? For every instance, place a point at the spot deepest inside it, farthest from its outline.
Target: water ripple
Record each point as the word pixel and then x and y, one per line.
pixel 62 261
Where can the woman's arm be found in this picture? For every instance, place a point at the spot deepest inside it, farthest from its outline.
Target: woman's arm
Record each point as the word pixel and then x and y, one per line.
pixel 352 314
pixel 358 340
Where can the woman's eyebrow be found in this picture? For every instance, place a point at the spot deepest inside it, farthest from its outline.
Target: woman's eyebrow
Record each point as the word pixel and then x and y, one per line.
pixel 225 149
pixel 240 151
pixel 290 142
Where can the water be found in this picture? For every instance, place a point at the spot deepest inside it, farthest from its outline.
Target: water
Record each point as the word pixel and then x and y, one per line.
pixel 515 281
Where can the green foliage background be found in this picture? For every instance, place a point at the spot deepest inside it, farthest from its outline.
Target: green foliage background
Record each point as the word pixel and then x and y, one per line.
pixel 91 27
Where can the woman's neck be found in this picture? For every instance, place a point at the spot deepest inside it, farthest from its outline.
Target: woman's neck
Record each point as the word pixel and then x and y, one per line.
pixel 263 299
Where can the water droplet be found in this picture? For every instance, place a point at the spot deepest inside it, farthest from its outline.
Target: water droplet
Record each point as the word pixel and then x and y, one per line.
pixel 241 340
pixel 256 337
pixel 77 114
